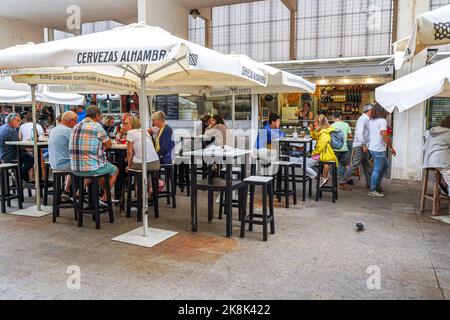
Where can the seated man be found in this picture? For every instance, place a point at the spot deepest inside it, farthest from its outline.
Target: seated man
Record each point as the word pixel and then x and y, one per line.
pixel 8 132
pixel 270 131
pixel 437 152
pixel 58 145
pixel 87 144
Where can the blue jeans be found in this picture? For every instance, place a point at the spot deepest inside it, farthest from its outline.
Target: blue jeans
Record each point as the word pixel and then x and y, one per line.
pixel 380 167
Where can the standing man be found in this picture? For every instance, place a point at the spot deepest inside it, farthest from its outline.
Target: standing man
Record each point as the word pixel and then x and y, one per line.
pixel 8 132
pixel 58 145
pixel 342 154
pixel 360 149
pixel 379 142
pixel 87 144
pixel 164 143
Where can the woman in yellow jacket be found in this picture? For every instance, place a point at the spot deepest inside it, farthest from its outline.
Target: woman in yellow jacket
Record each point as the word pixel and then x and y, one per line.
pixel 323 150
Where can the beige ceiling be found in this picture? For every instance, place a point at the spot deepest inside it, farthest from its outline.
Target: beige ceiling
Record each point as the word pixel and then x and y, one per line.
pixel 209 3
pixel 52 13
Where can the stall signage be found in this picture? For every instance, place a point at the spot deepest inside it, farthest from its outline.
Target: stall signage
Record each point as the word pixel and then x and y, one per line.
pixel 343 71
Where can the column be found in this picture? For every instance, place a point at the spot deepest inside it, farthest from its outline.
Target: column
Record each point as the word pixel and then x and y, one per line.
pixel 409 126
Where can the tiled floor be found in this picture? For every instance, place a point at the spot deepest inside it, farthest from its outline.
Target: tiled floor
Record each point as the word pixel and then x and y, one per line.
pixel 316 253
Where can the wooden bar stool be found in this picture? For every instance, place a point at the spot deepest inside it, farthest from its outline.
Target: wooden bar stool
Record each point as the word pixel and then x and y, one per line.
pixel 59 177
pixel 334 181
pixel 436 196
pixel 260 219
pixel 94 205
pixel 183 174
pixel 136 177
pixel 167 170
pixel 6 195
pixel 284 177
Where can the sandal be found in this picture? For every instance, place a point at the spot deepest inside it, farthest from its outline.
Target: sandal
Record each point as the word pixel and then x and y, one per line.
pixel 344 186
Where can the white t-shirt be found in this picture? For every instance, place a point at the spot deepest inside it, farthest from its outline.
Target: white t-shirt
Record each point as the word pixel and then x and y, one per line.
pixel 135 136
pixel 26 129
pixel 376 142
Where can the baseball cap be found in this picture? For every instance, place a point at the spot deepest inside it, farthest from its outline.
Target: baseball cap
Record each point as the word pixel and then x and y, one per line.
pixel 368 107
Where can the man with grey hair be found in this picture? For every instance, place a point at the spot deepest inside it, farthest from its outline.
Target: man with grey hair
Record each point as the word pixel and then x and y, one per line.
pixel 58 145
pixel 164 144
pixel 360 149
pixel 8 132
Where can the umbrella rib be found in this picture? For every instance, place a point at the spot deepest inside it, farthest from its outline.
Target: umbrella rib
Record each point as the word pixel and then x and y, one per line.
pixel 129 69
pixel 167 65
pixel 182 67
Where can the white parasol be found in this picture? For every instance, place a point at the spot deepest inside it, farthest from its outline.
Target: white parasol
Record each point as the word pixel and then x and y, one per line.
pixel 143 54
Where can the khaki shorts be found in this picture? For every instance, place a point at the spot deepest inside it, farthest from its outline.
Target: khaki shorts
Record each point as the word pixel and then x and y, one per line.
pixel 107 169
pixel 151 166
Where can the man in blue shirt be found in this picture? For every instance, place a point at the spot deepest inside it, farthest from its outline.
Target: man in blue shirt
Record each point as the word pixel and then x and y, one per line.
pixel 58 146
pixel 58 142
pixel 81 113
pixel 271 130
pixel 8 132
pixel 164 144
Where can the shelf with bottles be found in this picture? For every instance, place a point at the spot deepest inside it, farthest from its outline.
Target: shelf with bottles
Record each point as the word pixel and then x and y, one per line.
pixel 345 94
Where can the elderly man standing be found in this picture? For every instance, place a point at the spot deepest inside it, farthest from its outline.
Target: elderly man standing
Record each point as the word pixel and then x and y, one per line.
pixel 361 149
pixel 87 144
pixel 164 143
pixel 58 145
pixel 8 132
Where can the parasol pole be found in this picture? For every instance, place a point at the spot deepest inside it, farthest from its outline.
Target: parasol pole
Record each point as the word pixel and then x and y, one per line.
pixel 37 181
pixel 143 112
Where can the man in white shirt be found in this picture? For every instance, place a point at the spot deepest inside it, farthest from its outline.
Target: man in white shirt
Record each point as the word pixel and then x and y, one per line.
pixel 379 142
pixel 360 149
pixel 26 129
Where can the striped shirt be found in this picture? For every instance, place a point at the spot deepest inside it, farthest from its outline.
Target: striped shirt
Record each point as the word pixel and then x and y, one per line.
pixel 86 146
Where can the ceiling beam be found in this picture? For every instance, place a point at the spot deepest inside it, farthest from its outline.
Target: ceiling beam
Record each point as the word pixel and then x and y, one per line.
pixel 290 4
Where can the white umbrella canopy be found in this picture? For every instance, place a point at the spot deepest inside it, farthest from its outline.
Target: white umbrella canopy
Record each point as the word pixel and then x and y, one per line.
pixel 416 87
pixel 71 99
pixel 141 53
pixel 12 92
pixel 14 96
pixel 170 61
pixel 430 29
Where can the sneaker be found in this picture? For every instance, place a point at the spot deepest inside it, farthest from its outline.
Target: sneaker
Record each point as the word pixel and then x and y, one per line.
pixel 380 189
pixel 323 181
pixel 102 203
pixel 376 194
pixel 65 196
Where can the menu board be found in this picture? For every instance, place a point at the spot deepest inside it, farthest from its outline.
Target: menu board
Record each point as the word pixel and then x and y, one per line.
pixel 439 109
pixel 169 105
